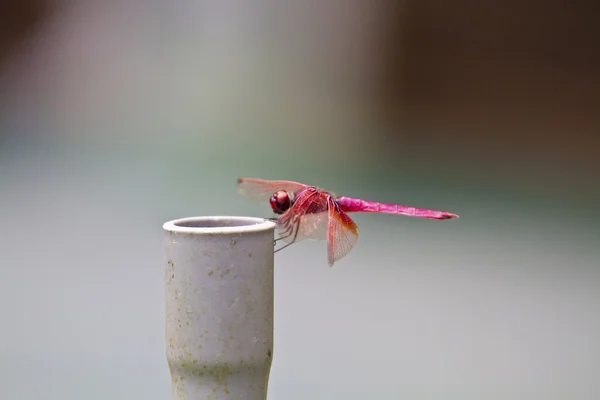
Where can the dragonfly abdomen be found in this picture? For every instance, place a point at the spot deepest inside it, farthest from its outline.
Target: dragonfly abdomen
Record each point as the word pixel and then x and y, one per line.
pixel 350 204
pixel 357 205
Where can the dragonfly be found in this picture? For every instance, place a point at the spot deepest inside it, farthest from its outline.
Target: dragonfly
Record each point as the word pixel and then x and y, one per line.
pixel 305 211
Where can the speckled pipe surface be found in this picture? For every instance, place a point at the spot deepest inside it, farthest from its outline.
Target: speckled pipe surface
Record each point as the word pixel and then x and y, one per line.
pixel 219 306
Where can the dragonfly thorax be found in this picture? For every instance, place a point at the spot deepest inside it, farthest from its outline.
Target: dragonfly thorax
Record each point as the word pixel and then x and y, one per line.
pixel 280 202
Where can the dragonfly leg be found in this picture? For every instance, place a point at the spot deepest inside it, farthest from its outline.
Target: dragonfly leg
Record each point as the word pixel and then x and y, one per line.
pixel 274 219
pixel 285 233
pixel 281 248
pixel 295 234
pixel 282 237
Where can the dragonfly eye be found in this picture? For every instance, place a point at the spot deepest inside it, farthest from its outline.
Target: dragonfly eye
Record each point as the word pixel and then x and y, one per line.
pixel 280 202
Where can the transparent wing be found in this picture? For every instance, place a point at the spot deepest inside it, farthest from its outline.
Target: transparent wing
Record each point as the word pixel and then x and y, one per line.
pixel 310 226
pixel 307 218
pixel 342 233
pixel 261 190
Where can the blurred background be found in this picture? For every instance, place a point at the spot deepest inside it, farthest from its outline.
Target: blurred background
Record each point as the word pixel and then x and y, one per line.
pixel 118 116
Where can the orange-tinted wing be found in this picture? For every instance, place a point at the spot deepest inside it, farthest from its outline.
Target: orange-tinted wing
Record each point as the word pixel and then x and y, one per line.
pixel 307 218
pixel 342 233
pixel 261 190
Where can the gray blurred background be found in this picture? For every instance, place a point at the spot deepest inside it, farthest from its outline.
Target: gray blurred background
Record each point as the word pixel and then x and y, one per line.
pixel 118 116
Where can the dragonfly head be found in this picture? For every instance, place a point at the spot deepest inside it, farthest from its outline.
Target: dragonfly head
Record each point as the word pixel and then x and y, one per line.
pixel 280 201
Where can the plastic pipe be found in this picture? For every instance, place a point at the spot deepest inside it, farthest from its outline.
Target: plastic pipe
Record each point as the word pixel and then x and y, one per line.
pixel 219 307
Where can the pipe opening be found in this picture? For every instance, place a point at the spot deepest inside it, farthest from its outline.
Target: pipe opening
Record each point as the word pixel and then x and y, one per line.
pixel 214 223
pixel 218 224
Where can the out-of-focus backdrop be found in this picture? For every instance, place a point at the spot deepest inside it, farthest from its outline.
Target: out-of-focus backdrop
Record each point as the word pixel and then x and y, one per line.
pixel 118 116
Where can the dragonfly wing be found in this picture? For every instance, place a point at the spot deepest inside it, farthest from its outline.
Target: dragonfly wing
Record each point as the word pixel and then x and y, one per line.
pixel 261 190
pixel 307 218
pixel 342 233
pixel 310 226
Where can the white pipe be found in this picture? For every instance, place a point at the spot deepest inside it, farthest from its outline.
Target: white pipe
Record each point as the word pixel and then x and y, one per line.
pixel 219 307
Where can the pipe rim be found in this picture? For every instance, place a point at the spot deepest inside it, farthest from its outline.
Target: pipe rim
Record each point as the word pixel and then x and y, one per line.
pixel 214 225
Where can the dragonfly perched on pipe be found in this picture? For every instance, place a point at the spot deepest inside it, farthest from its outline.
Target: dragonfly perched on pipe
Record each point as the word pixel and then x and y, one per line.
pixel 306 211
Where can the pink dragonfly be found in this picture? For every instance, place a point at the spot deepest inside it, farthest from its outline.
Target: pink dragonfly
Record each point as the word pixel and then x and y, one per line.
pixel 307 211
